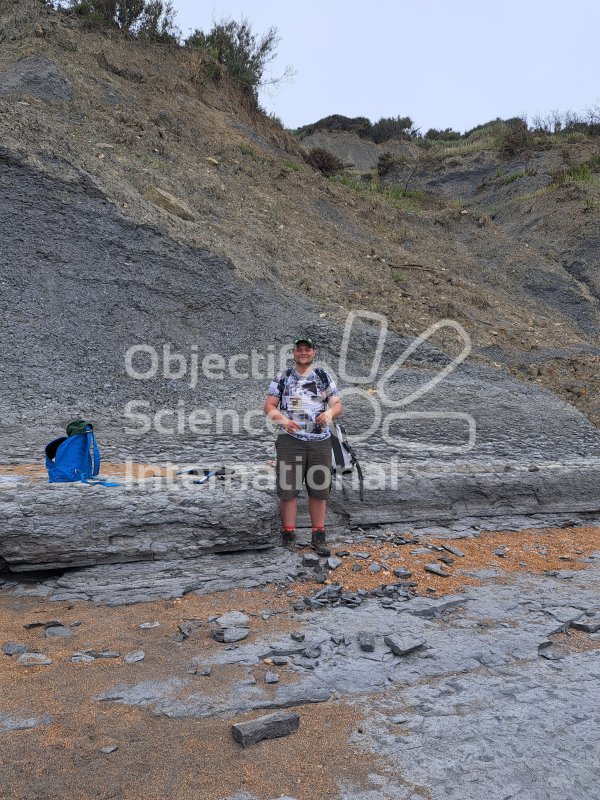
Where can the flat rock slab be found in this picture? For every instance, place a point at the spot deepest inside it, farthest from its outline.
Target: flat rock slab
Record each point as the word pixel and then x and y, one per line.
pixel 271 726
pixel 403 644
pixel 50 526
pixel 21 722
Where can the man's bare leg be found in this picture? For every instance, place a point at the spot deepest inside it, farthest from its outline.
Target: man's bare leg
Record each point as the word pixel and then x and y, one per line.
pixel 317 510
pixel 288 510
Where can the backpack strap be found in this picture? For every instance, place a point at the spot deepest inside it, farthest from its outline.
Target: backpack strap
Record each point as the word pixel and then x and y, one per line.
pixel 282 382
pixel 93 445
pixel 323 376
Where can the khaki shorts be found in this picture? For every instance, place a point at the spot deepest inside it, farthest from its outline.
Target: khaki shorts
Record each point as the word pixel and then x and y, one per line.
pixel 301 462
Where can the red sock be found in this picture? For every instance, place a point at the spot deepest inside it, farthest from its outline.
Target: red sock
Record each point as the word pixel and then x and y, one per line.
pixel 289 528
pixel 314 530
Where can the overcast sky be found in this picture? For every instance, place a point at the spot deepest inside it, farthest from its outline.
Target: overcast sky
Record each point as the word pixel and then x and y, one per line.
pixel 443 64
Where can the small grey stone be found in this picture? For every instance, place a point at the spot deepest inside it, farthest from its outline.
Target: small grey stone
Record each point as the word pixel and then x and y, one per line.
pixel 82 658
pixel 446 560
pixel 59 630
pixel 35 624
pixel 333 562
pixel 589 624
pixel 228 635
pixel 500 553
pixel 109 749
pixel 280 661
pixel 356 567
pixel 398 720
pixel 75 624
pixel 305 663
pixel 375 567
pixel 147 625
pixel 314 651
pixel 134 657
pixel 310 559
pixel 298 637
pixel 13 649
pixel 103 653
pixel 53 623
pixel 320 575
pixel 271 677
pixel 454 550
pixel 402 572
pixel 366 641
pixel 206 672
pixel 33 660
pixel 360 555
pixel 436 569
pixel 402 644
pixel 271 726
pixel 233 619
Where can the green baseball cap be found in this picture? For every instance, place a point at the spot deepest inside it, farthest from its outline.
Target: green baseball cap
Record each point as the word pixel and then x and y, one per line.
pixel 306 339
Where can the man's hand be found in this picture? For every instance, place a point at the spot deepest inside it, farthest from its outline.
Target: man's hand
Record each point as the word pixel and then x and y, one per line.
pixel 290 426
pixel 324 418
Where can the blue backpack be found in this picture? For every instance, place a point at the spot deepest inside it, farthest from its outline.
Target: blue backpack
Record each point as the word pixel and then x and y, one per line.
pixel 69 458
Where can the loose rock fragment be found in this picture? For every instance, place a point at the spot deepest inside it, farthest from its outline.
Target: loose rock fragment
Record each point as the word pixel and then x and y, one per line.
pixel 133 658
pixel 436 569
pixel 233 619
pixel 228 635
pixel 13 649
pixel 59 630
pixel 310 560
pixel 454 550
pixel 402 644
pixel 333 562
pixel 109 749
pixel 366 641
pixel 271 677
pixel 271 726
pixel 587 624
pixel 33 660
pixel 147 625
pixel 82 658
pixel 402 572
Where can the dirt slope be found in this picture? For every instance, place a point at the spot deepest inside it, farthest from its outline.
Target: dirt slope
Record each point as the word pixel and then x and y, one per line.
pixel 133 117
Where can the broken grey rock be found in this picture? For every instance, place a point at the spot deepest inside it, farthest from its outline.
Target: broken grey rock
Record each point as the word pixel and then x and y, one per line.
pixel 333 562
pixel 375 567
pixel 454 550
pixel 102 653
pixel 228 635
pixel 357 567
pixel 233 619
pixel 366 641
pixel 148 625
pixel 310 560
pixel 271 726
pixel 320 575
pixel 13 649
pixel 587 624
pixel 134 657
pixel 271 677
pixel 403 644
pixel 59 630
pixel 21 722
pixel 82 658
pixel 35 76
pixel 110 748
pixel 298 637
pixel 280 661
pixel 436 569
pixel 360 555
pixel 33 660
pixel 402 572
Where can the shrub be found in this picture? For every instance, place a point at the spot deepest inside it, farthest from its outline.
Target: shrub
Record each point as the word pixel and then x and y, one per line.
pixel 516 139
pixel 323 160
pixel 235 45
pixel 147 19
pixel 386 163
pixel 447 135
pixel 392 128
pixel 337 122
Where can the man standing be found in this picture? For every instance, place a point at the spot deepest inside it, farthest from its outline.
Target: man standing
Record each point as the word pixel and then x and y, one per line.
pixel 303 401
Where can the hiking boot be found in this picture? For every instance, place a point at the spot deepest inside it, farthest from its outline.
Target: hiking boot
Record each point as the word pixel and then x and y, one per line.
pixel 317 542
pixel 288 539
